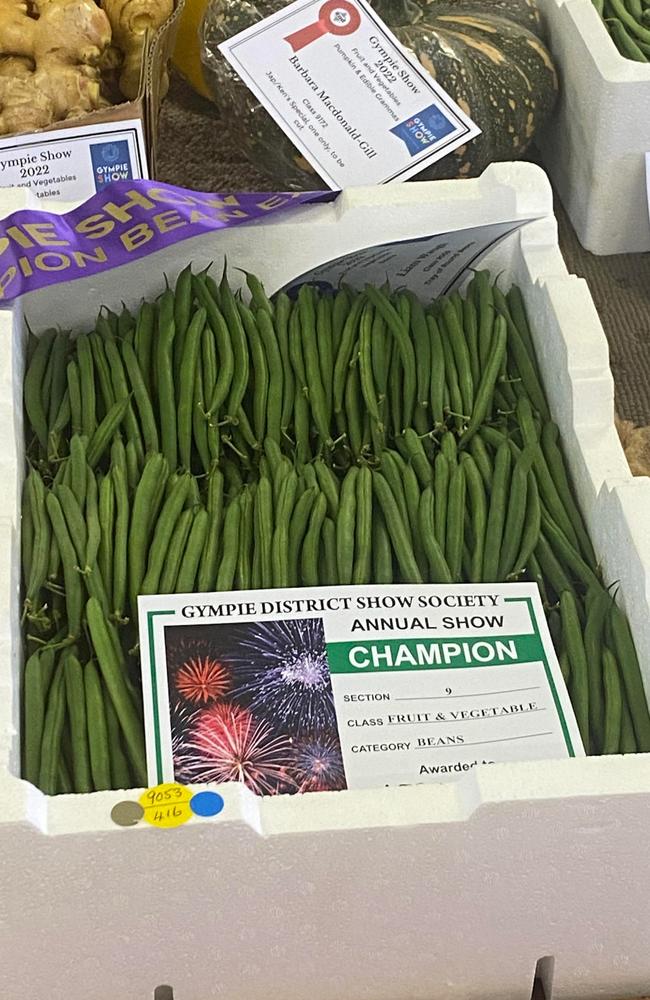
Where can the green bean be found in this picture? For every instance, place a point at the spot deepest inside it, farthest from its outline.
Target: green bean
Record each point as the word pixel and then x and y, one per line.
pixel 260 384
pixel 479 453
pixel 146 503
pixel 557 470
pixel 71 578
pixel 105 432
pixel 572 631
pixel 547 490
pixel 516 305
pixel 107 527
pixel 485 391
pixel 264 530
pixel 102 370
pixel 271 349
pixel 628 739
pixel 121 388
pixel 164 346
pixel 366 374
pixel 412 497
pixel 92 520
pixel 78 468
pixel 176 552
pixel 113 673
pixel 362 565
pixel 395 395
pixel 144 338
pixel 437 379
pixel 455 522
pixel 195 544
pixel 632 680
pixel 52 733
pixel 402 547
pixel 422 345
pixel 259 298
pixel 228 564
pixel 246 502
pixel 353 409
pixel 329 485
pixel 565 667
pixel 400 333
pixel 297 529
pixel 497 513
pixel 224 389
pixel 593 641
pixel 418 457
pixel 188 367
pixel 142 399
pixel 120 540
pixel 479 511
pixel 324 308
pixel 460 350
pixel 76 701
pixel 36 682
pixel 132 467
pixel 36 494
pixel 516 513
pixel 119 765
pixel 33 385
pixel 452 384
pixel 183 296
pixel 98 745
pixel 345 527
pixel 210 557
pixel 439 571
pixel 309 566
pixel 566 553
pixel 167 520
pixel 87 385
pixel 314 383
pixel 382 552
pixel 283 507
pixel 470 327
pixel 282 313
pixel 61 421
pixel 27 533
pixel 74 392
pixel 200 425
pixel 441 477
pixel 57 362
pixel 552 570
pixel 532 527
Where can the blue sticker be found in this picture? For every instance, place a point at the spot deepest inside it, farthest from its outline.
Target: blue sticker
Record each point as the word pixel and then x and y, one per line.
pixel 111 162
pixel 206 804
pixel 423 129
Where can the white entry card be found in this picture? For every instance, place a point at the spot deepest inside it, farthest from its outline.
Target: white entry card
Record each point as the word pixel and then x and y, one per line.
pixel 359 107
pixel 318 689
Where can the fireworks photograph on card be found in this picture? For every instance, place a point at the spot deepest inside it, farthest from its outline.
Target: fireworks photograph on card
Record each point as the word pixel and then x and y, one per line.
pixel 253 703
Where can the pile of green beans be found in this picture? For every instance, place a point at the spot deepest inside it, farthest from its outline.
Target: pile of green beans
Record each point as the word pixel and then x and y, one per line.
pixel 210 443
pixel 628 22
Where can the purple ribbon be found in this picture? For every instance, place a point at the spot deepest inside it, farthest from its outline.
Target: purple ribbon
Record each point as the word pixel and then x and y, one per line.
pixel 125 221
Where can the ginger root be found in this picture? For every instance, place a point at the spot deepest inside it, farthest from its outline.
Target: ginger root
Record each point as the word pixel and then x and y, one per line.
pixel 130 21
pixel 50 54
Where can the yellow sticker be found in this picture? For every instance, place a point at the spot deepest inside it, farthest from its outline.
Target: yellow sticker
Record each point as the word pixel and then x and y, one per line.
pixel 166 805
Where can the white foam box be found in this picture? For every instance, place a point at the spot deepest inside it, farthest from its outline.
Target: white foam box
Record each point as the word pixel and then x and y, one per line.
pixel 594 147
pixel 433 892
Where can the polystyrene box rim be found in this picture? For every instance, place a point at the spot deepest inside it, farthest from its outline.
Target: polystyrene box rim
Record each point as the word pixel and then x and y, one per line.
pixel 519 189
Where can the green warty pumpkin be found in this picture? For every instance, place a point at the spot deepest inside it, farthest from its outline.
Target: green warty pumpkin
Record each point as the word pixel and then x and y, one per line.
pixel 487 54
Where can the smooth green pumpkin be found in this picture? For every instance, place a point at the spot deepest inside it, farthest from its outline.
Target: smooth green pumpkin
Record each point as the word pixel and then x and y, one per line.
pixel 487 54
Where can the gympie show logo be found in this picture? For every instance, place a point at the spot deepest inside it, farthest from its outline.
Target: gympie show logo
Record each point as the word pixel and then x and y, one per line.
pixel 423 129
pixel 111 162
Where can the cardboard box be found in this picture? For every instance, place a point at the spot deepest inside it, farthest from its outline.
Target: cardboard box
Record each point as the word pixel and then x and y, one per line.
pixel 595 144
pixel 458 891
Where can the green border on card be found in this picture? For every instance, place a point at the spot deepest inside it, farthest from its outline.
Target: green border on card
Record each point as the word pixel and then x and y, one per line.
pixel 154 689
pixel 547 668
